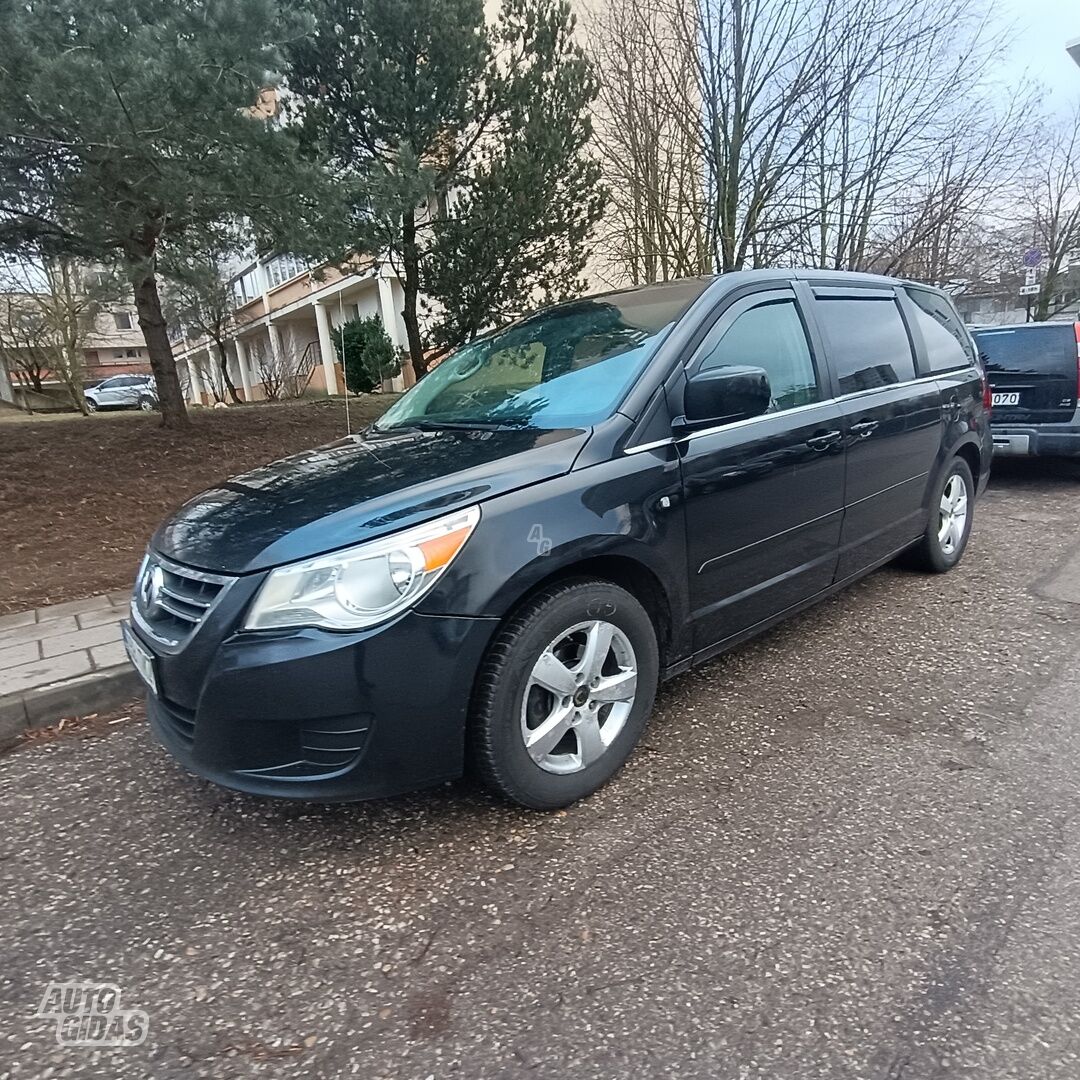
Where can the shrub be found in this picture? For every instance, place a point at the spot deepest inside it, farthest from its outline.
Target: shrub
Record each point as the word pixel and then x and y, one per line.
pixel 366 353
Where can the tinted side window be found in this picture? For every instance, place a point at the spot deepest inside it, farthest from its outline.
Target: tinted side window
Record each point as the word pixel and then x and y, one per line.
pixel 868 342
pixel 946 340
pixel 770 336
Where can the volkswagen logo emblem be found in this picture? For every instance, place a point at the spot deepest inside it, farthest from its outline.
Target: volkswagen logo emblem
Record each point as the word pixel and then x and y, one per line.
pixel 150 589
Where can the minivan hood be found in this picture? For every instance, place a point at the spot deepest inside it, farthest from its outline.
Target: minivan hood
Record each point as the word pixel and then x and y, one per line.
pixel 354 490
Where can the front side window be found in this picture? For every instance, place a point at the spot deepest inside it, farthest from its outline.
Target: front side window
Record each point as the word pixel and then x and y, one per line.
pixel 569 366
pixel 868 342
pixel 770 336
pixel 947 343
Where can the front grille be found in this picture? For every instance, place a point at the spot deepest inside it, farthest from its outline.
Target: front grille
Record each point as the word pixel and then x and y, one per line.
pixel 171 600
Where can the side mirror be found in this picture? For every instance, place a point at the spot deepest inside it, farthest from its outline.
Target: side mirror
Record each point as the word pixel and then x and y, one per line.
pixel 726 394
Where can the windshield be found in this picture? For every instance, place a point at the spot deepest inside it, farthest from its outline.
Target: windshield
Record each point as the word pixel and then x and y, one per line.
pixel 569 366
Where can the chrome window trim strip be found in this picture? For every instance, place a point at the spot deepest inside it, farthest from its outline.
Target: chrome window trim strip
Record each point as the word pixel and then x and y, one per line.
pixel 657 443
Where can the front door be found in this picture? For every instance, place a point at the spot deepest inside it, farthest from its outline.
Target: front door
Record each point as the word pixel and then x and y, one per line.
pixel 108 392
pixel 764 497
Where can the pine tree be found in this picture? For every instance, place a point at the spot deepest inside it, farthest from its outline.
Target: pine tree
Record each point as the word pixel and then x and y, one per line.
pixel 468 143
pixel 126 125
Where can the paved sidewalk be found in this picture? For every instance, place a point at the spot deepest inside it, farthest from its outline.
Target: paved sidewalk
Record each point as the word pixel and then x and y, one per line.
pixel 62 660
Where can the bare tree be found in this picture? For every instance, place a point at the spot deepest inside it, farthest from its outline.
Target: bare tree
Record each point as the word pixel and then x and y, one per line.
pixel 648 140
pixel 851 134
pixel 763 104
pixel 916 148
pixel 199 301
pixel 21 350
pixel 1052 200
pixel 282 371
pixel 50 310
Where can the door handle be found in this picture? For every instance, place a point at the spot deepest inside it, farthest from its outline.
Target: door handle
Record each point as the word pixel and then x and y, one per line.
pixel 824 440
pixel 865 428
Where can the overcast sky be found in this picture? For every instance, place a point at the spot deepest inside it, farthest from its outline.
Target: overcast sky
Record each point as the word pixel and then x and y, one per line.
pixel 1037 49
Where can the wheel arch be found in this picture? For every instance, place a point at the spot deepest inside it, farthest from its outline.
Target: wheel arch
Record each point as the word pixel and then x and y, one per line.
pixel 972 456
pixel 618 568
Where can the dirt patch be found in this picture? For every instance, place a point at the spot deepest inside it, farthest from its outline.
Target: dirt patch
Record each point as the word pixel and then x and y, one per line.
pixel 80 497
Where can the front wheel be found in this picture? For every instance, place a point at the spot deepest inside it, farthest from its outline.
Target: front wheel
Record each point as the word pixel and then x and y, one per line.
pixel 91 405
pixel 564 694
pixel 952 508
pixel 146 404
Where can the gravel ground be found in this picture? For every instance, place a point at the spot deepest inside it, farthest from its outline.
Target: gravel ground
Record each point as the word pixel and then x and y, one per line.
pixel 848 849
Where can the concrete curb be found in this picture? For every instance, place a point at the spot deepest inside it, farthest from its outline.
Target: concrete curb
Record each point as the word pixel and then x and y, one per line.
pixel 97 691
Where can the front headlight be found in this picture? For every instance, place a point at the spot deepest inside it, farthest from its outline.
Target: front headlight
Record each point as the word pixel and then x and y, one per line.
pixel 363 585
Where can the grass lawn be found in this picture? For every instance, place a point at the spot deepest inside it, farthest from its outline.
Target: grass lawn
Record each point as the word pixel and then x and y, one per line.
pixel 80 497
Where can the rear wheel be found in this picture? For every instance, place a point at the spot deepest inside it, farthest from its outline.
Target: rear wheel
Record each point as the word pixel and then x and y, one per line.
pixel 952 507
pixel 564 694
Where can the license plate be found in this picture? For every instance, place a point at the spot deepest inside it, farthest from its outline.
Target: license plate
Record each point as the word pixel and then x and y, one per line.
pixel 141 658
pixel 1005 399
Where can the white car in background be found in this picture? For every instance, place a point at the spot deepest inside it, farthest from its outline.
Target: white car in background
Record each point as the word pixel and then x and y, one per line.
pixel 123 392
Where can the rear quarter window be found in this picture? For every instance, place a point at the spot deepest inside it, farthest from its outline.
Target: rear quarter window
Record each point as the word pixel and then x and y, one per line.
pixel 1029 348
pixel 944 337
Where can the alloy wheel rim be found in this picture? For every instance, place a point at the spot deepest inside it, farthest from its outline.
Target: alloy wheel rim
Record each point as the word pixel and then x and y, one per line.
pixel 578 697
pixel 952 514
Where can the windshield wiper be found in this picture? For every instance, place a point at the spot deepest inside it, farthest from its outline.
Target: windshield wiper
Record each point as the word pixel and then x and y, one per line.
pixel 419 424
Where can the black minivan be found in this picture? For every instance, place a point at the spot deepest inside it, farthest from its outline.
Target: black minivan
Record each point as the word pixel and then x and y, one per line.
pixel 499 571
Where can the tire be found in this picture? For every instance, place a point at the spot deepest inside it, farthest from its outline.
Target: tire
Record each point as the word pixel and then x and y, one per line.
pixel 91 405
pixel 579 741
pixel 146 404
pixel 940 549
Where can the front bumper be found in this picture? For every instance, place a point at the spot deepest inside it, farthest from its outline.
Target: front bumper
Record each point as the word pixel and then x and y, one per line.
pixel 1044 440
pixel 310 714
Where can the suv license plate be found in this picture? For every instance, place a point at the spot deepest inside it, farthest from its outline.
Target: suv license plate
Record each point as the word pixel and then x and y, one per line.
pixel 141 658
pixel 1005 399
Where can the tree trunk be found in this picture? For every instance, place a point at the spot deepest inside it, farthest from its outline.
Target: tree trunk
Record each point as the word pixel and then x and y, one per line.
pixel 410 259
pixel 223 361
pixel 74 379
pixel 152 323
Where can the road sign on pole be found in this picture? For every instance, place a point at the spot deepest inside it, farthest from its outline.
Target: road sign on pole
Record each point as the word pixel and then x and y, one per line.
pixel 1029 290
pixel 1032 257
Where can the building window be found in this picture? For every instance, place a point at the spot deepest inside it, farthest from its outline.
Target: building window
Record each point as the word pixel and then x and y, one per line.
pixel 284 268
pixel 245 288
pixel 118 354
pixel 122 320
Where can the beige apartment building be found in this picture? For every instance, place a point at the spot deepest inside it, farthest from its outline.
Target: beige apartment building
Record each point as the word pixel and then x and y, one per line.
pixel 284 324
pixel 113 345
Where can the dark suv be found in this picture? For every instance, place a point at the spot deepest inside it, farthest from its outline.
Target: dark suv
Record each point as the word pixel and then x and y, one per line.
pixel 1034 371
pixel 501 569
